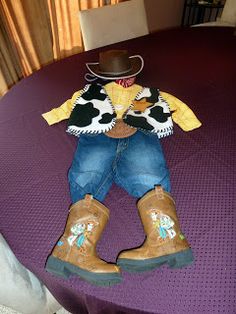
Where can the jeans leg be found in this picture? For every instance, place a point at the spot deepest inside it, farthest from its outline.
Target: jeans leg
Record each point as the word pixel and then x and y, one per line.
pixel 91 169
pixel 142 165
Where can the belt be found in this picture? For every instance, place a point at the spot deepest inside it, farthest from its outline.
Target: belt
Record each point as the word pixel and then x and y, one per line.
pixel 121 130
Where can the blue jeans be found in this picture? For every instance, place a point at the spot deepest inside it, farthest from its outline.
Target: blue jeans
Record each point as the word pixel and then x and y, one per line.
pixel 135 163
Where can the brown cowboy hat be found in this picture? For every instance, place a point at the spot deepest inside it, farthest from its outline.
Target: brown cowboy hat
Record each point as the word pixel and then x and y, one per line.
pixel 116 64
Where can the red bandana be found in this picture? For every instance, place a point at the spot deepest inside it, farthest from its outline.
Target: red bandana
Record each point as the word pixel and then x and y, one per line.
pixel 127 82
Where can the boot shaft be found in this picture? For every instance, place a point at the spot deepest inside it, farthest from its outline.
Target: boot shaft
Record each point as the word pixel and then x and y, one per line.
pixel 88 218
pixel 158 214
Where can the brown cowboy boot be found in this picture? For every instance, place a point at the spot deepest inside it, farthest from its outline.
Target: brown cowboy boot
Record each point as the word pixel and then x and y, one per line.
pixel 75 252
pixel 164 241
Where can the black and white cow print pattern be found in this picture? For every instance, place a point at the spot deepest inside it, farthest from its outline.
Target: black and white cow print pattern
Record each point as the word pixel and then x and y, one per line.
pixel 92 112
pixel 156 118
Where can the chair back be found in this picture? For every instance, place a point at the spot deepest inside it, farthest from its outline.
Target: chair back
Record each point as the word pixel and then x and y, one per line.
pixel 113 23
pixel 229 12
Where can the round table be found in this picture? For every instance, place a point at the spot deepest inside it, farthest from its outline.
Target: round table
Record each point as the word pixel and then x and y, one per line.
pixel 196 65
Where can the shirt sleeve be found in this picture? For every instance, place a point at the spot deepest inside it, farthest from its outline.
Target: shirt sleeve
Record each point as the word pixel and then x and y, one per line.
pixel 63 112
pixel 182 114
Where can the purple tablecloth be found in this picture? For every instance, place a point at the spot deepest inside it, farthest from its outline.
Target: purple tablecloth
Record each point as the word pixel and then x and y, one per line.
pixel 197 65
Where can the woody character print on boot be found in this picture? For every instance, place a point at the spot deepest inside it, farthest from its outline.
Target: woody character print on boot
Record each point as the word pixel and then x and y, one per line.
pixel 114 122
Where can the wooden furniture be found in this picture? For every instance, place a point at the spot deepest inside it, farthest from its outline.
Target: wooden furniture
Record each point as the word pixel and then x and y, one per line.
pixel 196 12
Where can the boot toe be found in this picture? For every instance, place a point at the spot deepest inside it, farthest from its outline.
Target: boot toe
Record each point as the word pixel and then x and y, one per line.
pixel 104 267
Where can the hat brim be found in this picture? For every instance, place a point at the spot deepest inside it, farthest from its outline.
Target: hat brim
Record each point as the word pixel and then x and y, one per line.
pixel 137 64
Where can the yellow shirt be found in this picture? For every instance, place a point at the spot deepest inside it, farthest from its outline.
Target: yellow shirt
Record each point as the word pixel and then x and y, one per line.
pixel 121 98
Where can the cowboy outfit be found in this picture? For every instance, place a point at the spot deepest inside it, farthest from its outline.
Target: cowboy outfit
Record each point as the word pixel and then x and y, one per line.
pixel 114 123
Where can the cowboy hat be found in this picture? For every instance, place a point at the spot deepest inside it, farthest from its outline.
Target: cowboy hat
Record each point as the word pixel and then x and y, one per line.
pixel 116 64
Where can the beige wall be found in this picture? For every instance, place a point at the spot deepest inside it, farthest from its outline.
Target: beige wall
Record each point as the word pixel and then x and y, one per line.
pixel 163 14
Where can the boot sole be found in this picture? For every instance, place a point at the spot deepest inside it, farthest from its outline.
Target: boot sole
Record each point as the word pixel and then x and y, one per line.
pixel 65 270
pixel 176 260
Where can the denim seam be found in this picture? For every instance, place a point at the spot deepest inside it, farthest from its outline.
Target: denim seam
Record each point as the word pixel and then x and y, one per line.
pixel 102 184
pixel 119 180
pixel 118 153
pixel 124 185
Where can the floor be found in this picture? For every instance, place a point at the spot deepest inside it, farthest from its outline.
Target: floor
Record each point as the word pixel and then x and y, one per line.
pixel 6 310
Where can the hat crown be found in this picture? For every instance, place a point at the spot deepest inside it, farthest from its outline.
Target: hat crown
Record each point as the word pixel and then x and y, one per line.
pixel 114 62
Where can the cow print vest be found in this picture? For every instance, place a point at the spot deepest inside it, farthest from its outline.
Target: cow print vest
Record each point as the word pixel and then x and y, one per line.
pixel 94 113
